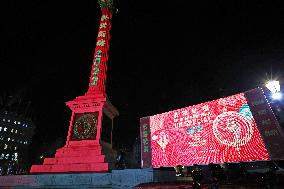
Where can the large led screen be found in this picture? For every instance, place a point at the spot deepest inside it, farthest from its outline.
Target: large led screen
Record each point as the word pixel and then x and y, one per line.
pixel 222 130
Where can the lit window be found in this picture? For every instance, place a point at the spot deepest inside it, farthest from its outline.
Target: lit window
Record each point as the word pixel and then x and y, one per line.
pixel 3 120
pixel 9 120
pixel 12 130
pixel 16 156
pixel 16 131
pixel 0 128
pixel 15 122
pixel 12 140
pixel 19 123
pixel 5 128
pixel 15 148
pixel 5 147
pixel 8 139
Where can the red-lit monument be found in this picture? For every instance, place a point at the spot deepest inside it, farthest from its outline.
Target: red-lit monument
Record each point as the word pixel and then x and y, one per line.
pixel 83 151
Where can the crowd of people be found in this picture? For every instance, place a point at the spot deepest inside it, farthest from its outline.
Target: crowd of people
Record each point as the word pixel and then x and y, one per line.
pixel 214 175
pixel 12 169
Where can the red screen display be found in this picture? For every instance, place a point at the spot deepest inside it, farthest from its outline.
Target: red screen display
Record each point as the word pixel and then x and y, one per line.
pixel 218 131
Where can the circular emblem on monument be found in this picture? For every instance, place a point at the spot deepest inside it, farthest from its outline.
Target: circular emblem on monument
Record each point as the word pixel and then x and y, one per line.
pixel 233 129
pixel 85 126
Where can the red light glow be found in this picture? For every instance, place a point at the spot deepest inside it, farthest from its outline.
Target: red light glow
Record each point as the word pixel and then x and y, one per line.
pixel 218 131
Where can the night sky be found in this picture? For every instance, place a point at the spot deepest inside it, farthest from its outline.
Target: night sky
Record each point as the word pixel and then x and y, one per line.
pixel 164 55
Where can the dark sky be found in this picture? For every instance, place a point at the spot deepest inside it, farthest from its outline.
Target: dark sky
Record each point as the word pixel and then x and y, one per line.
pixel 164 55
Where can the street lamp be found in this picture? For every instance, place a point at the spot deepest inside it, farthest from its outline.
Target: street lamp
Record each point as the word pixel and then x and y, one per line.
pixel 274 88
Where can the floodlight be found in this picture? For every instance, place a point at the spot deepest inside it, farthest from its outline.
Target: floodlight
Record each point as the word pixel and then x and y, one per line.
pixel 273 86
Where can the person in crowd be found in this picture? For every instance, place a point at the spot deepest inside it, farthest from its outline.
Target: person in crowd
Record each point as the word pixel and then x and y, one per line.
pixel 120 160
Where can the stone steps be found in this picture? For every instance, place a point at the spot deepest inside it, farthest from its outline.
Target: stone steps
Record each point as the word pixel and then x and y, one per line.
pixel 74 167
pixel 93 147
pixel 68 160
pixel 74 158
pixel 78 153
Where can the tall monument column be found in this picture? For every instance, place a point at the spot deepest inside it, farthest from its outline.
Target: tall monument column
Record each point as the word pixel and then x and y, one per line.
pixel 95 98
pixel 99 66
pixel 83 151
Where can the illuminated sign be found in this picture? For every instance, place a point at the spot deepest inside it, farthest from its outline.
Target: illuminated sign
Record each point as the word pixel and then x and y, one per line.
pixel 96 68
pixel 145 142
pixel 222 130
pixel 97 79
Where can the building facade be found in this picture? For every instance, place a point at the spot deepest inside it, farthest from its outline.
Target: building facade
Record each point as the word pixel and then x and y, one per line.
pixel 16 134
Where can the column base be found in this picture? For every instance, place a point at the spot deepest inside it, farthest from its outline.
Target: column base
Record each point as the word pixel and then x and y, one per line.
pixel 74 159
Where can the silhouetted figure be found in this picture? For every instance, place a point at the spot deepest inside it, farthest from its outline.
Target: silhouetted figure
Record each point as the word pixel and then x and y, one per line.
pixel 196 177
pixel 214 183
pixel 1 171
pixel 179 170
pixel 10 169
pixel 120 160
pixel 196 184
pixel 196 173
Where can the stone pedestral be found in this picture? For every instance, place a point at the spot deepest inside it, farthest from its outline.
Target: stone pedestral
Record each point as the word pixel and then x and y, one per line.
pixel 74 158
pixel 128 178
pixel 60 181
pixel 81 155
pixel 118 179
